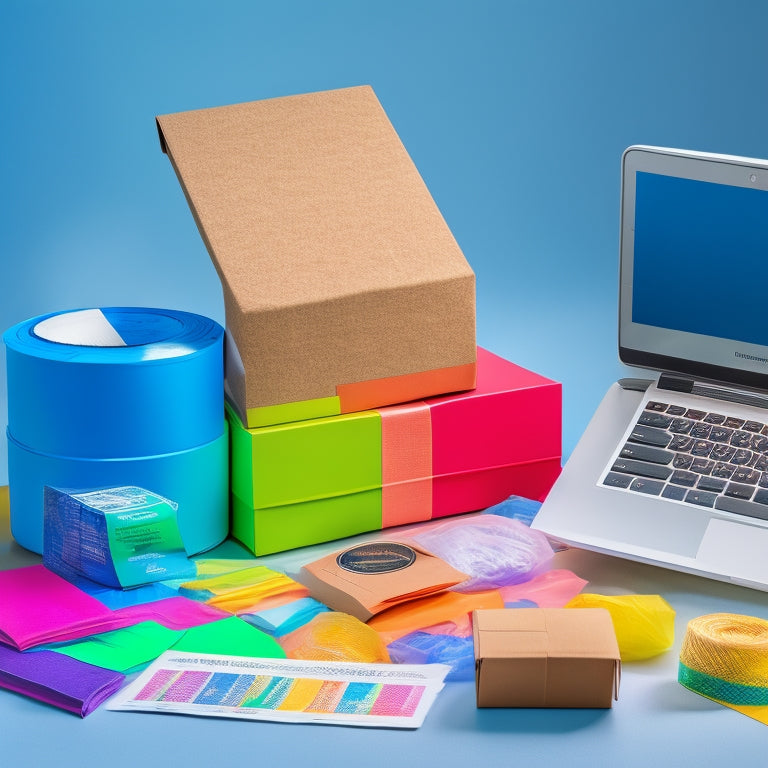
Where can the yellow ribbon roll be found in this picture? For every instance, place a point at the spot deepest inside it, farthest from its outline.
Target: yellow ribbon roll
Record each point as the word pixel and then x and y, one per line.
pixel 724 656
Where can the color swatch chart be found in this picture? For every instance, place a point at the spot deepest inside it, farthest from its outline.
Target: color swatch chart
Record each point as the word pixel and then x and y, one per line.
pixel 383 695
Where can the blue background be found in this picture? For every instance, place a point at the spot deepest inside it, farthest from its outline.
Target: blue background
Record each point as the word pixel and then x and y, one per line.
pixel 701 258
pixel 516 113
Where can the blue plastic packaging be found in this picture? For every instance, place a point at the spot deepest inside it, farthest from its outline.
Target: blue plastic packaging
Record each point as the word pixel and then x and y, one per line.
pixel 426 648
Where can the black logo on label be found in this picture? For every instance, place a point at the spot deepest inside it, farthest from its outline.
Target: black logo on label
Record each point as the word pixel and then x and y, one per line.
pixel 378 557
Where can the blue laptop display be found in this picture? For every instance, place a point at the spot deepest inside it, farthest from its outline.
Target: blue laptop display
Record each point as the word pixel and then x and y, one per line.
pixel 700 261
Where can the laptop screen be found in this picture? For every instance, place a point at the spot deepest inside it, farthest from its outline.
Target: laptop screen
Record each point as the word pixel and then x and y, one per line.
pixel 694 264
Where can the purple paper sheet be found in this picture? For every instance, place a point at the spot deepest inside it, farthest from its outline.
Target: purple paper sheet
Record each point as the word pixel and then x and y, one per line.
pixel 58 680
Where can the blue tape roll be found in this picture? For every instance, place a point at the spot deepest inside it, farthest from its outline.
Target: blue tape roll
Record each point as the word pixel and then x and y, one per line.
pixel 197 479
pixel 115 383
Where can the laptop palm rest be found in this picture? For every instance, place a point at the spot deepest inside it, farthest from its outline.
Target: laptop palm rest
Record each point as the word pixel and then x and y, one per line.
pixel 736 550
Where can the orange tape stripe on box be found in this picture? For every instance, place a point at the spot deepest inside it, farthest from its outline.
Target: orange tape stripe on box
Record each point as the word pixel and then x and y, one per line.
pixel 367 395
pixel 406 464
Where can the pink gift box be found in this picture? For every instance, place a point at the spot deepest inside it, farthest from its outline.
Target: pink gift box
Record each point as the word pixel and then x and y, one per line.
pixel 502 438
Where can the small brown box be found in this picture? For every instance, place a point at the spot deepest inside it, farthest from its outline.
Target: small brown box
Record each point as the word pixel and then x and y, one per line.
pixel 344 288
pixel 546 657
pixel 384 580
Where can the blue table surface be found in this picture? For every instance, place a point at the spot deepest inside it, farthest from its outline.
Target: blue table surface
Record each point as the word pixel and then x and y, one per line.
pixel 654 721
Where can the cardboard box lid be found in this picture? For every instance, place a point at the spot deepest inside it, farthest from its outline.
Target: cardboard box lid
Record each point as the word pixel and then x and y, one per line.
pixel 554 632
pixel 545 657
pixel 326 241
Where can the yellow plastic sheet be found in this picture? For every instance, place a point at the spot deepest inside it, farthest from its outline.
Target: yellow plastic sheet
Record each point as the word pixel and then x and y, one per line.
pixel 644 624
pixel 232 581
pixel 208 567
pixel 245 590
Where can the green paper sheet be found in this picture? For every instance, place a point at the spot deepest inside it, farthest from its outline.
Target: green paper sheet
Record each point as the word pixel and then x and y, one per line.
pixel 126 650
pixel 229 637
pixel 123 650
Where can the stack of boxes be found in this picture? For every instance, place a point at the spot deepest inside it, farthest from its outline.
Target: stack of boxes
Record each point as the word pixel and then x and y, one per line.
pixel 357 398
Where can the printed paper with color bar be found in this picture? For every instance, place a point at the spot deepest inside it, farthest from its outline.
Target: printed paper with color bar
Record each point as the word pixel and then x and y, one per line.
pixel 372 695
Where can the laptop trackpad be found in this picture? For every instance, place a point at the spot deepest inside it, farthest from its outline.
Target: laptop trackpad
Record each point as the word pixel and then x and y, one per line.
pixel 736 550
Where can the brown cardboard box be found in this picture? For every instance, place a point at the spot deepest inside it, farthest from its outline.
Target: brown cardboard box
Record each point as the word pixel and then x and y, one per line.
pixel 344 288
pixel 371 577
pixel 545 657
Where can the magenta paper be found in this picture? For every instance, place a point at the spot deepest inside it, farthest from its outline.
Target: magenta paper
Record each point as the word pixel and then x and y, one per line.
pixel 37 606
pixel 171 612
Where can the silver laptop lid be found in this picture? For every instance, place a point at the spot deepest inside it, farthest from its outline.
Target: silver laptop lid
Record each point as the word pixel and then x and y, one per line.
pixel 694 265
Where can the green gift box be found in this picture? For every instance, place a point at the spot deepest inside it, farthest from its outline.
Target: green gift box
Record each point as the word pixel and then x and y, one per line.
pixel 305 482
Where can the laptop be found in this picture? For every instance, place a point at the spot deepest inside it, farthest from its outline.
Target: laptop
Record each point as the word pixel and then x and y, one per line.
pixel 673 467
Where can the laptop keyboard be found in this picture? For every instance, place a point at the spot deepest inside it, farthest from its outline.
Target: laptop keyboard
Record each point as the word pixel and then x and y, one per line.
pixel 696 457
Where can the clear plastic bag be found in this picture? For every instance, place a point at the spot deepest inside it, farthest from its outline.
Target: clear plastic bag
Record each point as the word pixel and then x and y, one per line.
pixel 428 648
pixel 495 551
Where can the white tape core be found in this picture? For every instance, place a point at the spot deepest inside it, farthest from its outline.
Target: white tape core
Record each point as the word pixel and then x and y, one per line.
pixel 84 328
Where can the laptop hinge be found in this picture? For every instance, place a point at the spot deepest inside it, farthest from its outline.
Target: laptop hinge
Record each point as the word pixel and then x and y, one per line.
pixel 636 385
pixel 675 383
pixel 716 391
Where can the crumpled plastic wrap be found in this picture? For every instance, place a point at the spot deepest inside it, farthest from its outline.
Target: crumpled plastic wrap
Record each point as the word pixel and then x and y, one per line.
pixel 427 648
pixel 516 508
pixel 551 589
pixel 495 551
pixel 335 636
pixel 644 624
